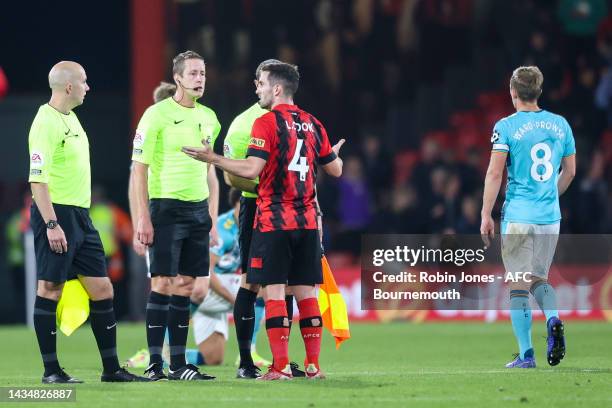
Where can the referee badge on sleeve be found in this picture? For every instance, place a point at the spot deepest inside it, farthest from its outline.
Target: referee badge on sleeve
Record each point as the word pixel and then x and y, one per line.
pixel 36 160
pixel 139 139
pixel 36 163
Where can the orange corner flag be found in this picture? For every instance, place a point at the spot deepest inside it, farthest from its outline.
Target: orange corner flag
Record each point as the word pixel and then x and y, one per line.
pixel 333 307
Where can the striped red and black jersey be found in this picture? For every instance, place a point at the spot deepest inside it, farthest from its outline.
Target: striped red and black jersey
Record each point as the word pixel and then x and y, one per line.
pixel 292 142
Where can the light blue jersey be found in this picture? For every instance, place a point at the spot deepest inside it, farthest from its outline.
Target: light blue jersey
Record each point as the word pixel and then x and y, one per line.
pixel 535 142
pixel 227 248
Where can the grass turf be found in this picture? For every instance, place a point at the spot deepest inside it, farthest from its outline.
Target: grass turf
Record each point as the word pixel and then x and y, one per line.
pixel 396 364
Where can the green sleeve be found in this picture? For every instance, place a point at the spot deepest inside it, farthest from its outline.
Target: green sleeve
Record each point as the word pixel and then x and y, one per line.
pixel 216 131
pixel 146 137
pixel 43 140
pixel 236 142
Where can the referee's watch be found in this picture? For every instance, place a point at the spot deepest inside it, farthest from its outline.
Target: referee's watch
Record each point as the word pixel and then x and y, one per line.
pixel 52 224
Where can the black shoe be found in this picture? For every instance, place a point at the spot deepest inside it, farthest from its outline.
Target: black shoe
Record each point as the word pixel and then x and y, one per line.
pixel 122 375
pixel 60 377
pixel 155 372
pixel 188 373
pixel 248 372
pixel 295 370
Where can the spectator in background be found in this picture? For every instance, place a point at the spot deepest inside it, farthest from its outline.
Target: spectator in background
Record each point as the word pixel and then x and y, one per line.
pixel 327 197
pixel 592 197
pixel 401 215
pixel 469 171
pixel 441 205
pixel 377 165
pixel 452 202
pixel 469 221
pixel 581 18
pixel 544 54
pixel 579 21
pixel 442 25
pixel 115 229
pixel 354 203
pixel 604 39
pixel 586 121
pixel 603 94
pixel 16 227
pixel 433 202
pixel 430 159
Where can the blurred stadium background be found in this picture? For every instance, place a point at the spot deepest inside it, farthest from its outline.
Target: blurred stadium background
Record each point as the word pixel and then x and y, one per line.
pixel 414 86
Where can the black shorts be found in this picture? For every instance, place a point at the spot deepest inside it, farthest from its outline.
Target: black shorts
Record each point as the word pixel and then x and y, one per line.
pixel 287 257
pixel 85 254
pixel 180 237
pixel 246 217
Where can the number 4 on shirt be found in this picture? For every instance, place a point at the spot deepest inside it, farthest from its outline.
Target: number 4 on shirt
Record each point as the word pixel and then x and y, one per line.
pixel 299 163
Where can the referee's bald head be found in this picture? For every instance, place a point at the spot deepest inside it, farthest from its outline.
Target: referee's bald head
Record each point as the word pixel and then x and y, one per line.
pixel 63 73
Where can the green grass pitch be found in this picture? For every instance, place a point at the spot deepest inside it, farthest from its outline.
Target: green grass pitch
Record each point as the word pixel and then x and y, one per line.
pixel 396 364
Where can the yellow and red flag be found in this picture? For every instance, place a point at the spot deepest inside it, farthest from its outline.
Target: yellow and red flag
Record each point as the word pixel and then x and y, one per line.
pixel 333 307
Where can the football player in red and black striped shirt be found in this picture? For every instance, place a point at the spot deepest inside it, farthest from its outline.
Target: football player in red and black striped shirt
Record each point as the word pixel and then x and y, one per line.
pixel 286 145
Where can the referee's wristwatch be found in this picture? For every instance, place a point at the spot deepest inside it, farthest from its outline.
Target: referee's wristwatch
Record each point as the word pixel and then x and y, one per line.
pixel 52 224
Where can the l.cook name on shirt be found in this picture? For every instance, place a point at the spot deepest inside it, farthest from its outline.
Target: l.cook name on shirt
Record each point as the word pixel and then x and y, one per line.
pixel 300 127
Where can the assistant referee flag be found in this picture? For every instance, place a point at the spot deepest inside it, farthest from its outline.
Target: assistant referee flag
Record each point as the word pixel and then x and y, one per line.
pixel 333 307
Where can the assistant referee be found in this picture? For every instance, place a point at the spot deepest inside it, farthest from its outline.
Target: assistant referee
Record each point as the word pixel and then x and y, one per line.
pixel 66 243
pixel 173 211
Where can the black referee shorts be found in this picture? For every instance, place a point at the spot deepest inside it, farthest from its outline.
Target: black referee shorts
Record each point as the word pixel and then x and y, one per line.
pixel 246 217
pixel 180 237
pixel 287 257
pixel 85 254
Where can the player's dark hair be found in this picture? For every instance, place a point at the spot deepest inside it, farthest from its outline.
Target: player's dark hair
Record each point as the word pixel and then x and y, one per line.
pixel 286 75
pixel 264 63
pixel 527 82
pixel 178 63
pixel 163 91
pixel 233 196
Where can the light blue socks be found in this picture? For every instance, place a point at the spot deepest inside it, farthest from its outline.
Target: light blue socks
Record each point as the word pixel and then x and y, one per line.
pixel 520 314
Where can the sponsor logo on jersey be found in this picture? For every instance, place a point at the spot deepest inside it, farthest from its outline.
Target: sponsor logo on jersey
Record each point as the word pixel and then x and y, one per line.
pixel 257 142
pixel 495 136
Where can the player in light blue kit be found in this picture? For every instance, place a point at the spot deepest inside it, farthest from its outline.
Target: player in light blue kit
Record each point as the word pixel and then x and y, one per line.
pixel 210 319
pixel 534 145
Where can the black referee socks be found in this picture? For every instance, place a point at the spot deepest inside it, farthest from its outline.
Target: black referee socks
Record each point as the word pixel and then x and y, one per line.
pixel 244 319
pixel 178 328
pixel 104 327
pixel 156 320
pixel 44 325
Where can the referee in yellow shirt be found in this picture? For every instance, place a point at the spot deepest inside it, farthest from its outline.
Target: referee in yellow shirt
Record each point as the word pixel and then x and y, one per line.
pixel 66 243
pixel 173 216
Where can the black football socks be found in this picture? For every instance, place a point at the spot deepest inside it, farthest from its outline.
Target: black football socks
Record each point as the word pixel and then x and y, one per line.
pixel 244 319
pixel 45 327
pixel 104 327
pixel 157 321
pixel 178 328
